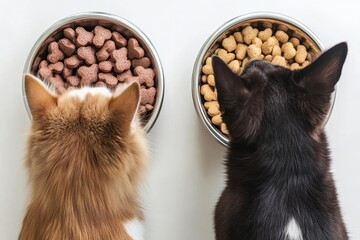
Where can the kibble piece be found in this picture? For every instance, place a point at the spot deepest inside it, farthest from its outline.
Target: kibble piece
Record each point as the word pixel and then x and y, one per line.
pixel 73 80
pixel 301 54
pixel 55 54
pixel 44 71
pixel 265 34
pixel 238 37
pixel 295 41
pixel 276 51
pixel 72 62
pixel 245 61
pixel 229 43
pixel 146 75
pixel 83 37
pixel 268 58
pixel 225 56
pixel 257 42
pixel 305 63
pixel 204 78
pixel 223 128
pixel 211 80
pixel 281 36
pixel 121 62
pixel 294 66
pixel 145 62
pixel 241 51
pixel 207 92
pixel 249 33
pixel 254 51
pixel 87 54
pixel 56 67
pixel 234 65
pixel 108 78
pixel 212 107
pixel 88 75
pixel 279 60
pixel 67 47
pixel 268 46
pixel 288 50
pixel 106 66
pixel 119 40
pixel 134 49
pixel 217 120
pixel 101 34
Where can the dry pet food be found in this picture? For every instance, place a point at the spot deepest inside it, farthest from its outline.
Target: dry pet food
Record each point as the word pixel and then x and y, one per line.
pixel 98 57
pixel 270 42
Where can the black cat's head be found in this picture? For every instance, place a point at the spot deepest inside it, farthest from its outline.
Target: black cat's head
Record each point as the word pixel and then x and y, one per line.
pixel 266 96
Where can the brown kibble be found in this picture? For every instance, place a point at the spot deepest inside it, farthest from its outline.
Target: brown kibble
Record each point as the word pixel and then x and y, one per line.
pixel 281 36
pixel 106 66
pixel 56 67
pixel 144 62
pixel 108 78
pixel 121 63
pixel 88 75
pixel 44 71
pixel 146 75
pixel 238 37
pixel 279 60
pixel 134 50
pixel 83 37
pixel 66 46
pixel 55 54
pixel 225 56
pixel 73 80
pixel 301 54
pixel 229 43
pixel 147 96
pixel 124 75
pixel 119 40
pixel 104 53
pixel 87 54
pixel 265 34
pixel 72 62
pixel 101 34
pixel 70 34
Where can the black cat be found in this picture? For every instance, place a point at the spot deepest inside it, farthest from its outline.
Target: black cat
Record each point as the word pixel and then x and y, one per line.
pixel 279 184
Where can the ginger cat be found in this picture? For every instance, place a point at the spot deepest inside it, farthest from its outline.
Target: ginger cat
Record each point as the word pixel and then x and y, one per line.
pixel 85 158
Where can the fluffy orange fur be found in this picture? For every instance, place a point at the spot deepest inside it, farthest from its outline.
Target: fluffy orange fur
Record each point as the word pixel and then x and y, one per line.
pixel 84 164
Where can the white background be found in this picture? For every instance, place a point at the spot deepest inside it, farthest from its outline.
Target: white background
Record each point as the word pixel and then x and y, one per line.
pixel 186 172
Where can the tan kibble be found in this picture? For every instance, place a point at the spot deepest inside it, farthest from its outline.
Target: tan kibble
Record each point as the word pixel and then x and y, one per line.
pixel 267 24
pixel 281 36
pixel 288 50
pixel 295 41
pixel 223 128
pixel 268 58
pixel 234 65
pixel 211 80
pixel 282 28
pixel 207 92
pixel 294 66
pixel 208 61
pixel 229 43
pixel 253 51
pixel 257 42
pixel 279 60
pixel 217 120
pixel 225 56
pixel 238 37
pixel 309 57
pixel 213 108
pixel 207 69
pixel 268 46
pixel 305 63
pixel 249 33
pixel 241 51
pixel 204 78
pixel 245 61
pixel 301 54
pixel 264 35
pixel 276 51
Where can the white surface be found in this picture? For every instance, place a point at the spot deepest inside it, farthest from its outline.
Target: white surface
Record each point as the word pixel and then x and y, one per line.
pixel 186 172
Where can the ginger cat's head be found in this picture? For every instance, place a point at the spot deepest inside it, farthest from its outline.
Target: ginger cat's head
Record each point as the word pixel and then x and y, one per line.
pixel 84 139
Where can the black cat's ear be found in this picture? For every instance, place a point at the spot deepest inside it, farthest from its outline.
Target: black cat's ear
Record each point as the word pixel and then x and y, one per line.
pixel 229 85
pixel 321 76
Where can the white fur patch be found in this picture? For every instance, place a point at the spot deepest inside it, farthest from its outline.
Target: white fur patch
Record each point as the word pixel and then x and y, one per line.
pixel 82 92
pixel 293 231
pixel 135 229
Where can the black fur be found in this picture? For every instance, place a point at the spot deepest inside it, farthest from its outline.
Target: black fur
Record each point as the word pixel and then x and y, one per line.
pixel 278 163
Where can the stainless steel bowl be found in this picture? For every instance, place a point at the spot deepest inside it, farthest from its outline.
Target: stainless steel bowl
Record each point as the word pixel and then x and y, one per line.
pixel 110 21
pixel 295 27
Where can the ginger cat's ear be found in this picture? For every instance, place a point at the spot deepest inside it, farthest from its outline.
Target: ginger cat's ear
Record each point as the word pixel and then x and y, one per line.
pixel 125 105
pixel 39 98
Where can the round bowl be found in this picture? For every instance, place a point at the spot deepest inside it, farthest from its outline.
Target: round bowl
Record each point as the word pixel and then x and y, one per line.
pixel 114 23
pixel 214 41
